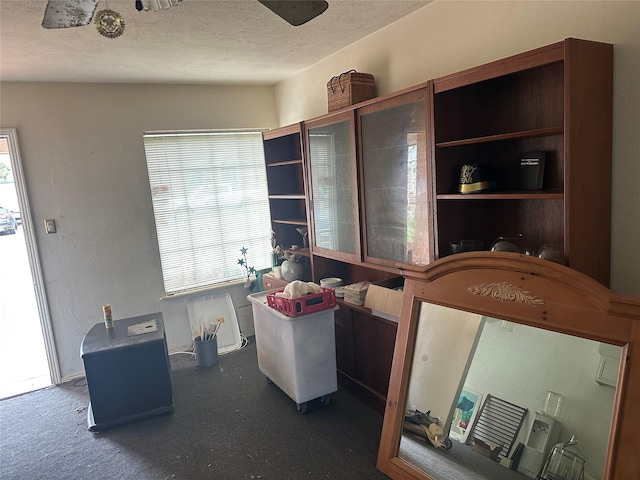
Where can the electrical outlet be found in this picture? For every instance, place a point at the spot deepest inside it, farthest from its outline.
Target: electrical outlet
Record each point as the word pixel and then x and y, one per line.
pixel 50 226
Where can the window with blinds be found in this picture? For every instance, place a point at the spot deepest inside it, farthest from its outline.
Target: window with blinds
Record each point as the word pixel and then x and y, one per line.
pixel 323 172
pixel 210 200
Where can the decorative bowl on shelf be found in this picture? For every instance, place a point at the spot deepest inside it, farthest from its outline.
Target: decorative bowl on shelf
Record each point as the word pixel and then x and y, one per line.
pixel 507 243
pixel 551 252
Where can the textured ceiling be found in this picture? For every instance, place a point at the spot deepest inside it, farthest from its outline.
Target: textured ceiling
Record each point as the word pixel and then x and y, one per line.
pixel 197 41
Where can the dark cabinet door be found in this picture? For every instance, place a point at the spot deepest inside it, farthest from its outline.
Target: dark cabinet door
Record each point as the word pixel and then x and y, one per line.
pixel 374 340
pixel 364 353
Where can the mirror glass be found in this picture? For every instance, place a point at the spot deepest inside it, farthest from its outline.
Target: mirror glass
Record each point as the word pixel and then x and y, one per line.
pixel 481 389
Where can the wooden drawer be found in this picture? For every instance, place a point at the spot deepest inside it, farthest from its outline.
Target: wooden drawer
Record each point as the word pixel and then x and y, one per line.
pixel 269 282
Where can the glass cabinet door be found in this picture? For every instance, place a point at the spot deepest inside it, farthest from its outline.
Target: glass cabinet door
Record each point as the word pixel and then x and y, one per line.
pixel 395 180
pixel 334 193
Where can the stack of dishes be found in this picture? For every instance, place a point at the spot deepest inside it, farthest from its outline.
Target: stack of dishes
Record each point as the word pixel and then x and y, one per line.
pixel 335 283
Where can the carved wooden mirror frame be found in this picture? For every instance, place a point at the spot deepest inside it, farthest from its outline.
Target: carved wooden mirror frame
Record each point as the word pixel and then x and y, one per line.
pixel 529 291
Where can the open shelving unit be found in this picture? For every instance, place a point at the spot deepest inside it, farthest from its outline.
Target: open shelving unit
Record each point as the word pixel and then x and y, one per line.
pixel 288 200
pixel 546 100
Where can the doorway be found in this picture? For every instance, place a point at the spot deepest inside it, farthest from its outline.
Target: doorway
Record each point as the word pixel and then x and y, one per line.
pixel 26 346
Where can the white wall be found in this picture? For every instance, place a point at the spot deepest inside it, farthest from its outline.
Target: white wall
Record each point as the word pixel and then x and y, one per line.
pixel 84 164
pixel 448 36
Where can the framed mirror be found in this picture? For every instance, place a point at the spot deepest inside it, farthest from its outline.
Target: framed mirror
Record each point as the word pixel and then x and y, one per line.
pixel 511 367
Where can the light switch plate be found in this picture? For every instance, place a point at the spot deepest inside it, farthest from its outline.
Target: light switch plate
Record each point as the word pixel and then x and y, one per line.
pixel 50 226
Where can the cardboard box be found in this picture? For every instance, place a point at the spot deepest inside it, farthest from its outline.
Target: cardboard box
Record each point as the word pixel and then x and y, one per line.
pixel 385 300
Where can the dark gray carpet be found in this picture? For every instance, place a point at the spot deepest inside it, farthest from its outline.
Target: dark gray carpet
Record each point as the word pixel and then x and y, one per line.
pixel 229 423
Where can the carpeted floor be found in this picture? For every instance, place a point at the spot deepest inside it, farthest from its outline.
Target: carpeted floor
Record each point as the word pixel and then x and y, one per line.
pixel 229 423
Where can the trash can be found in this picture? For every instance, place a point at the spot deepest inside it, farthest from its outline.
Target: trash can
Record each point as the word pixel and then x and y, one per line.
pixel 298 354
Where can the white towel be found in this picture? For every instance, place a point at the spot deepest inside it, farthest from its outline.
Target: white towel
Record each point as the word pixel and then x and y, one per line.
pixel 298 288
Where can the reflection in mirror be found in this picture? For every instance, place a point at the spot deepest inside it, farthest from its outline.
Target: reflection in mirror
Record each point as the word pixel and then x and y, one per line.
pixel 489 399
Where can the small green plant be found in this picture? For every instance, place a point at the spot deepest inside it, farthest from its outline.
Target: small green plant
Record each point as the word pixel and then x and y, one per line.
pixel 249 283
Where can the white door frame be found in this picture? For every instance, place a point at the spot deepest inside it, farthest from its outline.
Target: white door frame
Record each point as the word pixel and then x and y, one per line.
pixel 32 251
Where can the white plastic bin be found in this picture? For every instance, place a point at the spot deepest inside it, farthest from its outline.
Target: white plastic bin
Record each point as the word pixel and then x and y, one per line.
pixel 298 354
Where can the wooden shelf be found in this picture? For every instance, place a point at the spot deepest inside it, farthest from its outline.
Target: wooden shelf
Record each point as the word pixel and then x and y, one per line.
pixel 288 197
pixel 519 195
pixel 289 221
pixel 282 164
pixel 541 132
pixel 305 252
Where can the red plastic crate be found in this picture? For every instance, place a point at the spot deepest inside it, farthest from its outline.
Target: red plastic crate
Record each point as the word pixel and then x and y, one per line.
pixel 294 307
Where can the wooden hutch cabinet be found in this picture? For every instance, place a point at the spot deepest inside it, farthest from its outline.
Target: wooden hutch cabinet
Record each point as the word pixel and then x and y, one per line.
pixel 557 100
pixel 411 147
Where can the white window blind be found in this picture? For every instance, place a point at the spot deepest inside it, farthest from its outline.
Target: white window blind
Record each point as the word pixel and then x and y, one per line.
pixel 325 204
pixel 210 199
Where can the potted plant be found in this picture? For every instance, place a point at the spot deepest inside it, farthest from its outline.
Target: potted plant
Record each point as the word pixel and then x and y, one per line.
pixel 249 283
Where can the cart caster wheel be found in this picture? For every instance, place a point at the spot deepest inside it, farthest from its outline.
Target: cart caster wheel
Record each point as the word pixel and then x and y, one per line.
pixel 448 444
pixel 302 408
pixel 325 399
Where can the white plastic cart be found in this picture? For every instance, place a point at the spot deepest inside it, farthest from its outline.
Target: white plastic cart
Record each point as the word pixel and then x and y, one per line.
pixel 298 354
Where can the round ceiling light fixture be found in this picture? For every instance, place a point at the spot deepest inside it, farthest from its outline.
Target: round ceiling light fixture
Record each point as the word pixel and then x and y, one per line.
pixel 109 23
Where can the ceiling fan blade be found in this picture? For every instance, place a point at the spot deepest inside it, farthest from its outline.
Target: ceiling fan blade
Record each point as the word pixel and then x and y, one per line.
pixel 68 13
pixel 296 12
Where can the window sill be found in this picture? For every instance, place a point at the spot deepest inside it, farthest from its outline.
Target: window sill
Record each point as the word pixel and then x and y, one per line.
pixel 202 290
